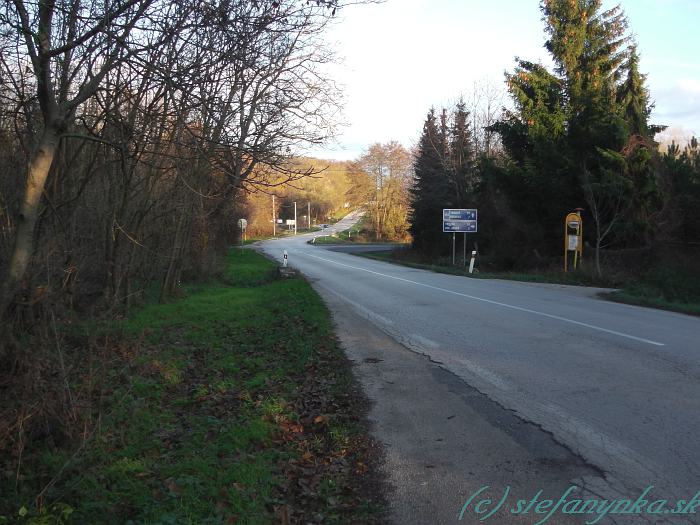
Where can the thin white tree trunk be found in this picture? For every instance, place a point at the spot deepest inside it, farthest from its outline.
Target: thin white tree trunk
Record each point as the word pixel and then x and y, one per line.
pixel 38 171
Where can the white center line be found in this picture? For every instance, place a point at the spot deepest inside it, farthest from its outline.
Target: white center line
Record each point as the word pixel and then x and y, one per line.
pixel 489 301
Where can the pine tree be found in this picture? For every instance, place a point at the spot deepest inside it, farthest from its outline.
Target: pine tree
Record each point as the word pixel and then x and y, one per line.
pixel 640 151
pixel 431 191
pixel 587 46
pixel 461 162
pixel 541 183
pixel 633 98
pixel 570 132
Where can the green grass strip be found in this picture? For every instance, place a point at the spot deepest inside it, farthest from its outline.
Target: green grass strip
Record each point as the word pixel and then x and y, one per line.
pixel 198 426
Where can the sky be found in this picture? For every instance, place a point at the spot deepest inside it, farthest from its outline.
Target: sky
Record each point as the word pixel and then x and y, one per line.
pixel 402 57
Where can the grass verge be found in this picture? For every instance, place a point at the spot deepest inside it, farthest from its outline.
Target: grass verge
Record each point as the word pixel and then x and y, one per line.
pixel 663 289
pixel 394 257
pixel 280 233
pixel 329 239
pixel 344 238
pixel 234 404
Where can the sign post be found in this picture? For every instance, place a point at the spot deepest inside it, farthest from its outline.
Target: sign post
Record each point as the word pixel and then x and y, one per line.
pixel 453 248
pixel 459 220
pixel 464 251
pixel 573 239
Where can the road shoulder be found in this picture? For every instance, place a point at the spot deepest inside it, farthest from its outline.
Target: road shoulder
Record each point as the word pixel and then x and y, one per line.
pixel 443 439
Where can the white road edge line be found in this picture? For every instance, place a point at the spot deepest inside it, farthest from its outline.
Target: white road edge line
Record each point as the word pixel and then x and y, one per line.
pixel 489 301
pixel 368 314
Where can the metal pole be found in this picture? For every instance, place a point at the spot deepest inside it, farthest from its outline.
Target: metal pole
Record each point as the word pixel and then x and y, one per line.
pixel 576 250
pixel 453 248
pixel 274 220
pixel 295 217
pixel 308 211
pixel 464 254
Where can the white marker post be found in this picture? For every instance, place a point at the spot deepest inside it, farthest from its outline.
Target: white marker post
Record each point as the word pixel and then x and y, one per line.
pixel 471 263
pixel 284 263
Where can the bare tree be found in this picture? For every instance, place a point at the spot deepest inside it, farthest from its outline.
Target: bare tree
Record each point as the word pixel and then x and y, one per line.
pixel 485 104
pixel 69 47
pixel 229 90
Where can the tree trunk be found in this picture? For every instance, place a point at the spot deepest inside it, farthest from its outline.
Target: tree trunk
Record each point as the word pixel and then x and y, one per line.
pixel 170 281
pixel 38 171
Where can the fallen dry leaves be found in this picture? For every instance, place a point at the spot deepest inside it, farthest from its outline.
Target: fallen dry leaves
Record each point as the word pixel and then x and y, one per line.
pixel 335 472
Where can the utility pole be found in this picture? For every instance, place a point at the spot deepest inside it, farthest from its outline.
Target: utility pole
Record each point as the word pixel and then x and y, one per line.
pixel 295 217
pixel 308 222
pixel 274 220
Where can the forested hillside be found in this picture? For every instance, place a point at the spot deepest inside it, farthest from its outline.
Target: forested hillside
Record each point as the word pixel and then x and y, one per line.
pixel 324 191
pixel 378 182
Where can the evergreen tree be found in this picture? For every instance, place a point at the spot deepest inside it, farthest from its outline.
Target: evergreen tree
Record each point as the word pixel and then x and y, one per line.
pixel 640 152
pixel 431 191
pixel 461 162
pixel 633 98
pixel 587 46
pixel 570 133
pixel 682 169
pixel 443 138
pixel 541 184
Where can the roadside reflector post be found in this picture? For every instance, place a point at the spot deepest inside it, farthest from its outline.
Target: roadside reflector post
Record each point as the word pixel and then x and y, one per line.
pixel 284 263
pixel 471 263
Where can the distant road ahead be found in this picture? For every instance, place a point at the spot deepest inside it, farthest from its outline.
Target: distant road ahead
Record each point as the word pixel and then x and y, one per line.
pixel 617 384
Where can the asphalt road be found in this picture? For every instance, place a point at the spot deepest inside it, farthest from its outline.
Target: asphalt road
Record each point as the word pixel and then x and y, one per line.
pixel 617 386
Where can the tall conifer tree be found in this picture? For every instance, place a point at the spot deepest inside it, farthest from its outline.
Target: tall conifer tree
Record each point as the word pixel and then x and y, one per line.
pixel 431 192
pixel 633 98
pixel 461 162
pixel 570 133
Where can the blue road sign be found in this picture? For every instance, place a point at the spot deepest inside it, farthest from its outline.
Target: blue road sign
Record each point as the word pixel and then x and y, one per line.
pixel 459 221
pixel 458 215
pixel 459 226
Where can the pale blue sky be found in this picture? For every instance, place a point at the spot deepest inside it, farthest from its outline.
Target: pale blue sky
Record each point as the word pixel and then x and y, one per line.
pixel 404 56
